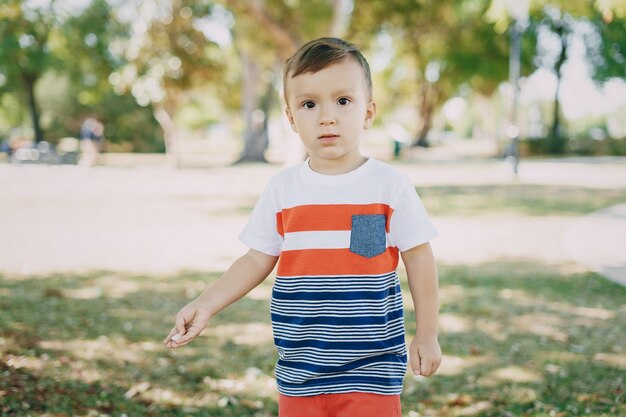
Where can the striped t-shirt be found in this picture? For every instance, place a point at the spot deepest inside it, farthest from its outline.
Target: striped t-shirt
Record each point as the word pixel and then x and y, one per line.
pixel 336 303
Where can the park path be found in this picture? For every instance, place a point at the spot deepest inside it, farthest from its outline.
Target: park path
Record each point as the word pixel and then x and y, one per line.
pixel 156 220
pixel 598 241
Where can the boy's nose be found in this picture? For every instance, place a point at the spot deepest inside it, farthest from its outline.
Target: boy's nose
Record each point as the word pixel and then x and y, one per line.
pixel 326 118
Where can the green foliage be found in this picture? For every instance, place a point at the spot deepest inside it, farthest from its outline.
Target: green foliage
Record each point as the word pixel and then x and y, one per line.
pixel 24 42
pixel 606 47
pixel 440 49
pixel 580 144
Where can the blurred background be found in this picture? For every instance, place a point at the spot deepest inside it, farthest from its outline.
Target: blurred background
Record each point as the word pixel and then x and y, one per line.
pixel 196 78
pixel 137 135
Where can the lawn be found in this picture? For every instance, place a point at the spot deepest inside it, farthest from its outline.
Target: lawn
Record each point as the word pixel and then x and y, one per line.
pixel 519 338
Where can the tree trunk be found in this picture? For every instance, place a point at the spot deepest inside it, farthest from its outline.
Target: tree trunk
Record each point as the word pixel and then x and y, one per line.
pixel 557 141
pixel 342 12
pixel 256 135
pixel 556 128
pixel 170 135
pixel 428 98
pixel 29 81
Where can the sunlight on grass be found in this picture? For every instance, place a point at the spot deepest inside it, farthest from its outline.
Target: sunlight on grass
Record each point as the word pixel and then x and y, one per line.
pixel 450 323
pixel 457 365
pixel 613 359
pixel 250 334
pixel 510 374
pixel 524 338
pixel 541 324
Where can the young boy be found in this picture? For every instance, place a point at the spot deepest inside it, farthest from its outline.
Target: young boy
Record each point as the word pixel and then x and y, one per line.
pixel 337 225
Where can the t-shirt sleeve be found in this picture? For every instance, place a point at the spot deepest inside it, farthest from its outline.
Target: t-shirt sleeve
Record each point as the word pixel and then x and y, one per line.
pixel 410 225
pixel 260 233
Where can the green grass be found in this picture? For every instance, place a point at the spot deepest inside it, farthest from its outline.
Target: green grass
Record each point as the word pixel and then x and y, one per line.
pixel 520 339
pixel 527 340
pixel 518 199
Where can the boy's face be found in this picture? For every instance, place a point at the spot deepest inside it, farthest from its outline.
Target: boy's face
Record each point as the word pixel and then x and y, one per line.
pixel 329 109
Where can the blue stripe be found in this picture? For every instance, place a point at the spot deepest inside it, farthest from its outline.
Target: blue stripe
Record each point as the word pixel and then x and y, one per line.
pixel 330 381
pixel 338 321
pixel 352 366
pixel 339 334
pixel 380 344
pixel 342 389
pixel 347 295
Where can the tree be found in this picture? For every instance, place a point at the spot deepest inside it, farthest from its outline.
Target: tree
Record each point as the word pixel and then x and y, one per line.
pixel 266 34
pixel 449 42
pixel 562 19
pixel 605 44
pixel 562 26
pixel 25 32
pixel 169 56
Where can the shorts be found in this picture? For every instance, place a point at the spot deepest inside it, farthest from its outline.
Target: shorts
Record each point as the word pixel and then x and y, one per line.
pixel 353 404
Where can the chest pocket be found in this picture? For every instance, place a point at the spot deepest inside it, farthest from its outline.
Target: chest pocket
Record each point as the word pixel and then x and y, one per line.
pixel 368 236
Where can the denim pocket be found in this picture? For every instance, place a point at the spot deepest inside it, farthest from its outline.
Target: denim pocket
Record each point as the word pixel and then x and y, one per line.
pixel 368 237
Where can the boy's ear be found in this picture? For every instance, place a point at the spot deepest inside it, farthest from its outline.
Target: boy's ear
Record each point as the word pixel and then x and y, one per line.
pixel 290 118
pixel 370 114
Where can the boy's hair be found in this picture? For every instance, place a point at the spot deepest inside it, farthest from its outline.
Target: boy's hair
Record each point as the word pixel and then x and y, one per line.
pixel 321 53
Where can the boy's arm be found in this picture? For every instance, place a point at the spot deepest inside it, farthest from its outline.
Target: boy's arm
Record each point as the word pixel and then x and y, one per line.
pixel 243 275
pixel 421 271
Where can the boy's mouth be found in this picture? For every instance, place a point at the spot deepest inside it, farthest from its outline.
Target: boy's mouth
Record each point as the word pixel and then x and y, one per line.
pixel 328 136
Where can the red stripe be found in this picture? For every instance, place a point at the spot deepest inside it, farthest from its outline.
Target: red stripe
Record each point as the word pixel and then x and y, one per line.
pixel 335 262
pixel 312 218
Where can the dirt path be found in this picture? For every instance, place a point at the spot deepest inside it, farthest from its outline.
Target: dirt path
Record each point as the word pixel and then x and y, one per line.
pixel 158 220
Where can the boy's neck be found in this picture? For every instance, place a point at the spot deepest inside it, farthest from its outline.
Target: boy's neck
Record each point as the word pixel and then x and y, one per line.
pixel 336 167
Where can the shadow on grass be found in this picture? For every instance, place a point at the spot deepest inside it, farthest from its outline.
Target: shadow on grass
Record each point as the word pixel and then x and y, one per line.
pixel 525 339
pixel 518 339
pixel 525 199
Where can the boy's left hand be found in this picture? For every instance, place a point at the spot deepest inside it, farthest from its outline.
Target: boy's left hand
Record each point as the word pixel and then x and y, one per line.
pixel 425 356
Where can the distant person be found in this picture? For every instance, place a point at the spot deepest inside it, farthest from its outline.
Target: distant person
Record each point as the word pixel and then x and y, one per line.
pixel 337 225
pixel 91 137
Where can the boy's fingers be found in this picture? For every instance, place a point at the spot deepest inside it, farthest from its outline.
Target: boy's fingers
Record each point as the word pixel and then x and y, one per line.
pixel 169 336
pixel 415 365
pixel 192 332
pixel 180 325
pixel 427 367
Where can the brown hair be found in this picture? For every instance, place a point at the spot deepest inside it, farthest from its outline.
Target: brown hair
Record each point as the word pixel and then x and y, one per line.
pixel 321 53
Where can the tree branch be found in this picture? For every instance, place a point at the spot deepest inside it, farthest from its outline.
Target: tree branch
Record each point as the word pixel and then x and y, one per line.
pixel 286 41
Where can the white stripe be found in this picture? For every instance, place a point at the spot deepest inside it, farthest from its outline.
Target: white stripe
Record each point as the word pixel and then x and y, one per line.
pixel 332 312
pixel 353 332
pixel 334 337
pixel 363 302
pixel 298 376
pixel 339 279
pixel 341 388
pixel 327 362
pixel 360 354
pixel 327 239
pixel 337 359
pixel 335 277
pixel 389 372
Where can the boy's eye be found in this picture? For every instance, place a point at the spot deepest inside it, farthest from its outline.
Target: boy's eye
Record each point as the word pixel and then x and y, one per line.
pixel 308 104
pixel 343 101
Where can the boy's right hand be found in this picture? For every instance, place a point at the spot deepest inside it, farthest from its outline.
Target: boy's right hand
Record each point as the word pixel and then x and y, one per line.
pixel 190 321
